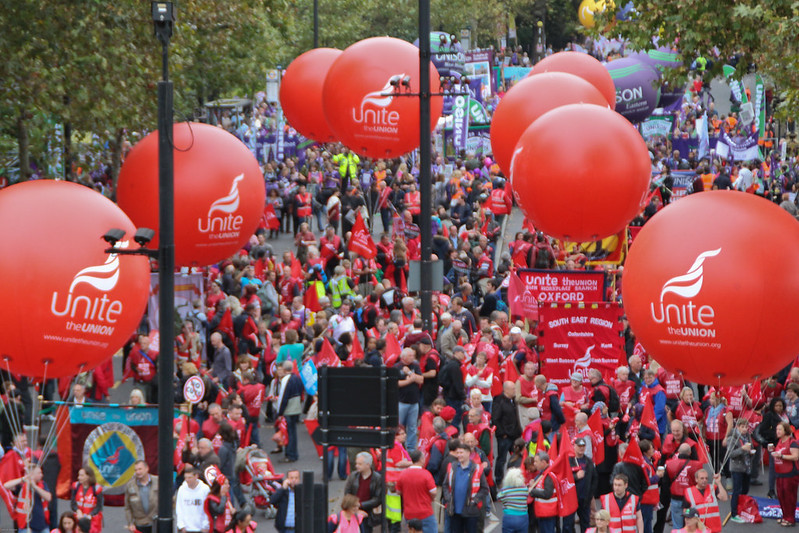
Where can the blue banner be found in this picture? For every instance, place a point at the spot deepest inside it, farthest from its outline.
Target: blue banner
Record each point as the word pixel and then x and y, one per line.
pixel 310 377
pixel 133 416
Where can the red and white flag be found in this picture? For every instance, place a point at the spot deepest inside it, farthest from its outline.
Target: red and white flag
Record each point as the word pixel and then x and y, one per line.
pixel 361 240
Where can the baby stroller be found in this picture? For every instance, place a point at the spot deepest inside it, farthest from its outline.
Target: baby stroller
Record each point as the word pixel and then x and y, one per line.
pixel 258 478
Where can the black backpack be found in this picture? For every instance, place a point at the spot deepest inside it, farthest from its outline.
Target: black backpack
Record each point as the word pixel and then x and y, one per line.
pixel 543 257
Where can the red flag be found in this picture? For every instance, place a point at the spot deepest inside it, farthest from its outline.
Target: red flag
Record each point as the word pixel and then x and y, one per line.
pixel 520 301
pixel 566 443
pixel 311 424
pixel 528 224
pixel 633 454
pixel 392 350
pixel 553 446
pixel 226 326
pixel 541 443
pixel 648 420
pixel 403 284
pixel 311 299
pixel 701 451
pixel 327 356
pixel 756 394
pixel 296 268
pixel 567 489
pixel 357 350
pixel 597 436
pixel 181 443
pixel 270 217
pixel 510 370
pixel 360 240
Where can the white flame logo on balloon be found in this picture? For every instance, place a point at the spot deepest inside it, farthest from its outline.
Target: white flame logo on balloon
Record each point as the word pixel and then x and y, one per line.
pixel 228 204
pixel 102 277
pixel 688 285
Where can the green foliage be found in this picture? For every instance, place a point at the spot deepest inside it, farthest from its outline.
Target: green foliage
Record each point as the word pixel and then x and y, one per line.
pixel 761 33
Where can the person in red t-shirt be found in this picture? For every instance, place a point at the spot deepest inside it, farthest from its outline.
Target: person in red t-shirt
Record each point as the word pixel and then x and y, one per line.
pixel 417 487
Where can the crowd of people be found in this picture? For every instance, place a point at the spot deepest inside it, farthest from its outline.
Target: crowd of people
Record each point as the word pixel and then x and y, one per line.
pixel 480 421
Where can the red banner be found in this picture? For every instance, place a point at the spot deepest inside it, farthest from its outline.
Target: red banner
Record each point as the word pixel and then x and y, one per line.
pixel 577 338
pixel 563 286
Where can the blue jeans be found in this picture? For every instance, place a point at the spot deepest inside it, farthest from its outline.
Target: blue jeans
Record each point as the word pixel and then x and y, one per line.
pixel 409 417
pixel 291 428
pixel 45 530
pixel 517 523
pixel 677 521
pixel 647 512
pixel 547 525
pixel 740 485
pixel 429 524
pixel 463 524
pixel 568 524
pixel 342 462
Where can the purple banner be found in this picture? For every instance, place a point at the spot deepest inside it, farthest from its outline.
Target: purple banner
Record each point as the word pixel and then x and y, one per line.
pixel 637 88
pixel 460 121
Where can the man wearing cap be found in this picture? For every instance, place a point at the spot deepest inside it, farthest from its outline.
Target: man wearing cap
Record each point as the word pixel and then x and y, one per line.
pixel 586 480
pixel 701 498
pixel 692 522
pixel 505 417
pixel 624 507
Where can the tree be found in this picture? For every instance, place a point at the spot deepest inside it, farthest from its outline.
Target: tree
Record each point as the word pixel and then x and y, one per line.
pixel 757 33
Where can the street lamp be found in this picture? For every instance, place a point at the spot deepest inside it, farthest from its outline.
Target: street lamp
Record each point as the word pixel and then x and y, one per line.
pixel 163 19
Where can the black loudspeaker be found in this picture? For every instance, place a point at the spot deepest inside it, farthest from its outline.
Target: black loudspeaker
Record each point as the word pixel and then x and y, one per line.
pixel 311 509
pixel 354 397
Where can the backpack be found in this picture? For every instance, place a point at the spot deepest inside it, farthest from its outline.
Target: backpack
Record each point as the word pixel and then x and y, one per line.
pixel 614 404
pixel 543 257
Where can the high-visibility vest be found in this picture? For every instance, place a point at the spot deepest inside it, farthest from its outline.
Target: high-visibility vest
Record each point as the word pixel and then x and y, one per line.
pixel 394 456
pixel 499 203
pixel 304 205
pixel 474 482
pixel 393 507
pixel 623 519
pixel 338 289
pixel 652 494
pixel 24 504
pixel 706 505
pixel 545 508
pixel 414 202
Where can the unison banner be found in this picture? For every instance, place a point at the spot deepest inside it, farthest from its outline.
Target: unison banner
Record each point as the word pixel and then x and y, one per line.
pixel 657 126
pixel 742 148
pixel 109 440
pixel 563 286
pixel 460 121
pixel 578 338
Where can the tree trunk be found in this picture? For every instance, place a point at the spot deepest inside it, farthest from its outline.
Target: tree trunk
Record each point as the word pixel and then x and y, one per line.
pixel 116 160
pixel 24 148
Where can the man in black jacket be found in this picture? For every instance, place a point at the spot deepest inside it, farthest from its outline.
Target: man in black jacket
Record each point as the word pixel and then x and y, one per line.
pixel 505 417
pixel 285 499
pixel 585 479
pixel 451 380
pixel 364 474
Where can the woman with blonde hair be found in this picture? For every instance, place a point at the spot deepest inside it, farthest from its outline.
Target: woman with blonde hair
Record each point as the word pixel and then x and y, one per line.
pixel 514 501
pixel 602 519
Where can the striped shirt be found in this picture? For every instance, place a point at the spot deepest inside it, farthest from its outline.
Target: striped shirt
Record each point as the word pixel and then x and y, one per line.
pixel 514 500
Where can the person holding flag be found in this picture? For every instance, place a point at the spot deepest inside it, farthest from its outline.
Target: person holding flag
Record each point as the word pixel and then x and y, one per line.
pixel 585 479
pixel 543 490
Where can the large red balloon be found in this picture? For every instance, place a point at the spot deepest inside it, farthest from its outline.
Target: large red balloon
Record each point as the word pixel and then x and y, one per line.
pixel 582 65
pixel 358 101
pixel 219 192
pixel 528 100
pixel 67 305
pixel 301 93
pixel 581 171
pixel 709 291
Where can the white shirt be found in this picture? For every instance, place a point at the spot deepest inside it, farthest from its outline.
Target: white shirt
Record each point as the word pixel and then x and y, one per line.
pixel 189 507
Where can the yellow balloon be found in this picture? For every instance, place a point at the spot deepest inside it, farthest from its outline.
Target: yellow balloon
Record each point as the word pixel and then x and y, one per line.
pixel 586 13
pixel 589 7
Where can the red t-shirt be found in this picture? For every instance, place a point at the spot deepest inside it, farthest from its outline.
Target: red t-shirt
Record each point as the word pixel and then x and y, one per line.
pixel 415 484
